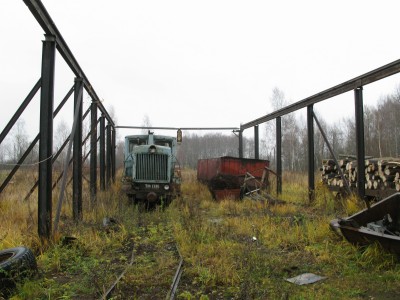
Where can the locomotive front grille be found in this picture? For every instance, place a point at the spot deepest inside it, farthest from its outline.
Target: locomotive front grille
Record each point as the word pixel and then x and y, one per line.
pixel 151 167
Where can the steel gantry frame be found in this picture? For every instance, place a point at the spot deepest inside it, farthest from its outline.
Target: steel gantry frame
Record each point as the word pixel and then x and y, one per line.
pixel 53 43
pixel 356 84
pixel 106 136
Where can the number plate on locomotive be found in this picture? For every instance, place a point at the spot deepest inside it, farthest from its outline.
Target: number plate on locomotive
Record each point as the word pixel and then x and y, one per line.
pixel 152 186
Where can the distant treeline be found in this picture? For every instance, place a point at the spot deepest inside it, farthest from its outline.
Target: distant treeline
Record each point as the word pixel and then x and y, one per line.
pixel 210 145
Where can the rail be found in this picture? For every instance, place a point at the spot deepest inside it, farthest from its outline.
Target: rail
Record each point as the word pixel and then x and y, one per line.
pixel 174 286
pixel 108 293
pixel 177 278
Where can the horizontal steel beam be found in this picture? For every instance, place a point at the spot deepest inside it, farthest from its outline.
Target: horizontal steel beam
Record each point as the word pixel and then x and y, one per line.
pixel 367 78
pixel 177 128
pixel 42 16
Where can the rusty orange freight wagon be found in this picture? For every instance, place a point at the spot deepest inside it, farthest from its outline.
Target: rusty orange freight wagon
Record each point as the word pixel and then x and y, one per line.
pixel 225 175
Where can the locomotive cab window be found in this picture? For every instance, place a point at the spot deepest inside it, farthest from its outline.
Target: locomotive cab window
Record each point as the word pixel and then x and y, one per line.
pixel 136 142
pixel 163 143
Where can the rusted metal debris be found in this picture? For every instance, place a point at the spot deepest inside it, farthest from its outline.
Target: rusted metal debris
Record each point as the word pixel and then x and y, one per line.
pixel 224 181
pixel 257 189
pixel 378 224
pixel 225 175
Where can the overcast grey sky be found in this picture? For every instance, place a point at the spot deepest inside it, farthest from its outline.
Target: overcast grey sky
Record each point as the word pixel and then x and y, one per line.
pixel 201 63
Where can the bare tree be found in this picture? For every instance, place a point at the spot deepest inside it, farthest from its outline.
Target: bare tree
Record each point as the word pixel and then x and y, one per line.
pixel 277 101
pixel 119 154
pixel 146 123
pixel 61 134
pixel 111 113
pixel 290 132
pixel 4 150
pixel 19 142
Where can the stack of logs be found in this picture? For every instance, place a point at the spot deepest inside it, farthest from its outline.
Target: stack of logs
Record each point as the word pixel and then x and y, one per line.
pixel 380 173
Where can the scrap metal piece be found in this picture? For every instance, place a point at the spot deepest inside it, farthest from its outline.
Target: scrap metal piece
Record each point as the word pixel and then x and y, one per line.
pixel 374 225
pixel 306 278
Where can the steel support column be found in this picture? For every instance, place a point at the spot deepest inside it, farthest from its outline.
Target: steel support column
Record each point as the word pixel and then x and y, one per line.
pixel 113 148
pixel 359 115
pixel 102 154
pixel 278 155
pixel 240 143
pixel 311 162
pixel 46 138
pixel 77 152
pixel 108 156
pixel 256 143
pixel 93 152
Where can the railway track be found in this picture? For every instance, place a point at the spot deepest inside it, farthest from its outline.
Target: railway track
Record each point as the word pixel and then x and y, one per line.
pixel 153 266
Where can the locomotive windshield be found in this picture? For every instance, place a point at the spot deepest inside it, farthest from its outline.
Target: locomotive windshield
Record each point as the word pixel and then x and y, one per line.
pixel 163 143
pixel 138 141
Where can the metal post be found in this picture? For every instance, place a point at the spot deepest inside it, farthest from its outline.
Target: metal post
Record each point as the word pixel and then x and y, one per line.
pixel 311 162
pixel 278 155
pixel 359 115
pixel 256 143
pixel 77 153
pixel 108 156
pixel 113 148
pixel 93 152
pixel 46 138
pixel 240 143
pixel 102 154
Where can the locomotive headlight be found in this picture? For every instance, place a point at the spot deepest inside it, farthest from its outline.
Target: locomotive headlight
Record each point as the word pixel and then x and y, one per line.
pixel 166 187
pixel 152 149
